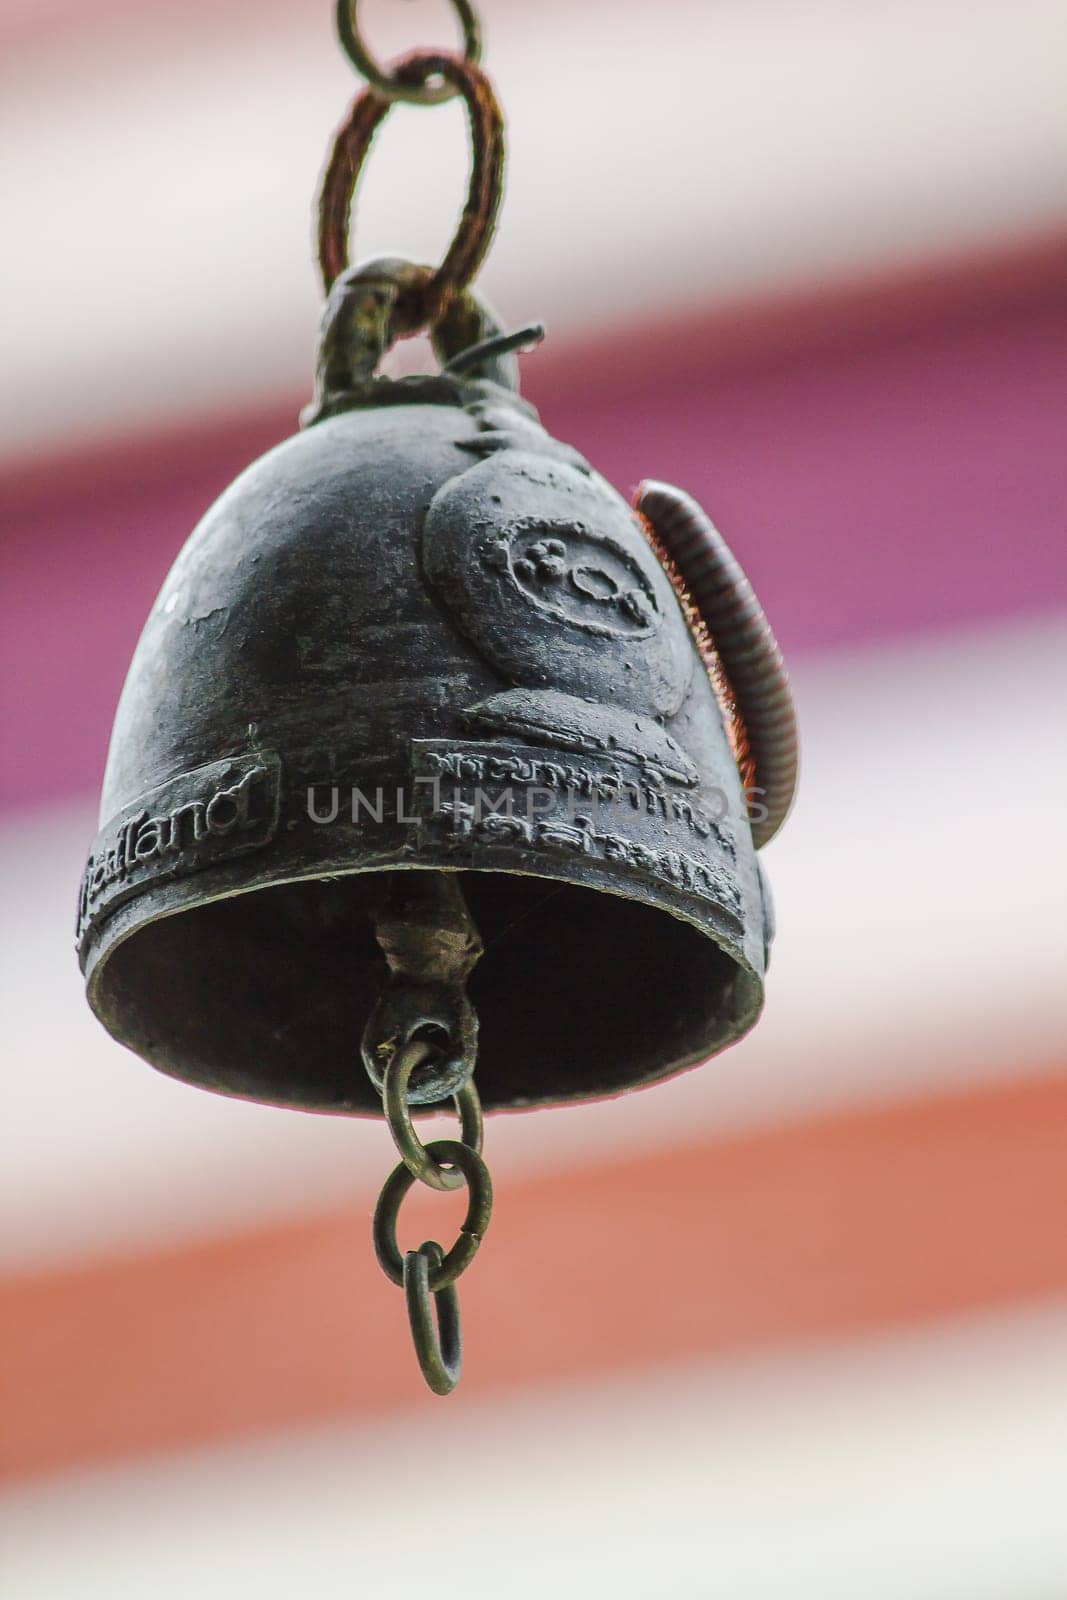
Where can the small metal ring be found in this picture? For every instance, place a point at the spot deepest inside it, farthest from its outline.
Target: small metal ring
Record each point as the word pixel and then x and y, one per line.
pixel 439 1349
pixel 417 1158
pixel 345 161
pixel 479 1209
pixel 389 84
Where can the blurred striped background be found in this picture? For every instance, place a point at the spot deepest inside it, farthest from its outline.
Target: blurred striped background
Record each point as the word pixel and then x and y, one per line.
pixel 792 1325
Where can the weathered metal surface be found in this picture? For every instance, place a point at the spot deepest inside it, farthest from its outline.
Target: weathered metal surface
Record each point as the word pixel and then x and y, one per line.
pixel 421 635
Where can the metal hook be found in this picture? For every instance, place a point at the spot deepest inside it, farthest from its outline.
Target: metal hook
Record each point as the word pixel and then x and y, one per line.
pixel 500 344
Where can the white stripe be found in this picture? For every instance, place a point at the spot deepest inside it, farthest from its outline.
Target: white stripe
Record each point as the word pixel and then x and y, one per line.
pixel 920 1467
pixel 159 173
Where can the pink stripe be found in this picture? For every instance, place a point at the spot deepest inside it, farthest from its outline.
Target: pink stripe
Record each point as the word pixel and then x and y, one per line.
pixel 876 484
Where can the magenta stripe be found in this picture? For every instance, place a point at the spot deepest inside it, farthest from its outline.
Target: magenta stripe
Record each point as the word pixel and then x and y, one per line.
pixel 875 486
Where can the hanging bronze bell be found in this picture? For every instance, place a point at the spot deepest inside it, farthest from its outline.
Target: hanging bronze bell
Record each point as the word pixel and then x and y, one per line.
pixel 424 636
pixel 437 763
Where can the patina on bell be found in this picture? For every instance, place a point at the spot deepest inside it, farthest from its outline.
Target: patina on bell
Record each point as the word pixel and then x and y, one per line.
pixel 421 637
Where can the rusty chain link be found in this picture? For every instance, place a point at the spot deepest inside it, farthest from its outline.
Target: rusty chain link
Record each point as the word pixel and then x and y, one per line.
pixel 460 75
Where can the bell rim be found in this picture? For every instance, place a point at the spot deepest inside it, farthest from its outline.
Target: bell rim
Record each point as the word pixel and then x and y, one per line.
pixel 103 940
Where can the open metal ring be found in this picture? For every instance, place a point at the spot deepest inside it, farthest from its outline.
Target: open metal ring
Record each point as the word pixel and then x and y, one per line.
pixel 440 1348
pixel 387 83
pixel 479 1210
pixel 416 1155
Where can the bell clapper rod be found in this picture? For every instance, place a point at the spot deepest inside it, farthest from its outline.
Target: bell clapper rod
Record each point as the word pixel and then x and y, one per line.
pixel 419 1048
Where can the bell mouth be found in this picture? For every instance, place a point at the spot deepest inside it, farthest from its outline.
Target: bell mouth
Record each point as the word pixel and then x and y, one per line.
pixel 580 993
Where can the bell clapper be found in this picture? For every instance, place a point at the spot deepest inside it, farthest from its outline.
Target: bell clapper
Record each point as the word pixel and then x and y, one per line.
pixel 419 1048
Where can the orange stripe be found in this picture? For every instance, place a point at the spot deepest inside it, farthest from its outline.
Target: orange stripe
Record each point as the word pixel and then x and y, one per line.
pixel 831 1228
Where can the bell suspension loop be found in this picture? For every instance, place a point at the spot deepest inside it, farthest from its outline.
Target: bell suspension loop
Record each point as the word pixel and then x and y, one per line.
pixel 371 305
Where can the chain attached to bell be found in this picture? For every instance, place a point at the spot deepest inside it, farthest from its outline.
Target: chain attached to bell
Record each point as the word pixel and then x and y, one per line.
pixel 419 1048
pixel 428 1275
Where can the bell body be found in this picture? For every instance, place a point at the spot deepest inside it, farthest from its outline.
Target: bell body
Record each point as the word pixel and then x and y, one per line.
pixel 421 636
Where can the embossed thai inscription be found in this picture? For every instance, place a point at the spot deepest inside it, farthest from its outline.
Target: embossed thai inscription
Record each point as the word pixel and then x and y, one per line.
pixel 525 798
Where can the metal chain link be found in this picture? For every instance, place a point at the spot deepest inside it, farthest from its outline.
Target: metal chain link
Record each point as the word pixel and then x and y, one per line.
pixel 389 84
pixel 475 1223
pixel 422 77
pixel 428 1275
pixel 417 1158
pixel 440 1351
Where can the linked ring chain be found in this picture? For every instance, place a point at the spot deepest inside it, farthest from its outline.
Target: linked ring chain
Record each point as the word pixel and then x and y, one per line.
pixel 428 1275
